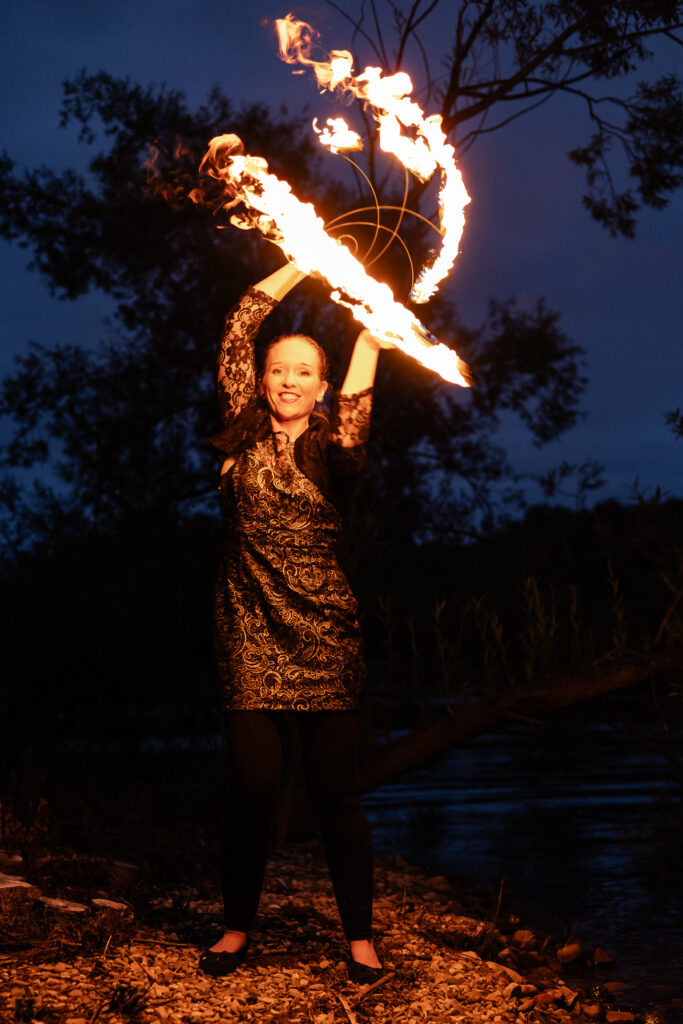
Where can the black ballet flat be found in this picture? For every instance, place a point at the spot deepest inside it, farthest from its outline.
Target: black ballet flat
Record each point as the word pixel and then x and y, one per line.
pixel 363 974
pixel 219 964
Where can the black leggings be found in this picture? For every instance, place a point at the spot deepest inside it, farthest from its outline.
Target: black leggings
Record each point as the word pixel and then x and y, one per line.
pixel 329 746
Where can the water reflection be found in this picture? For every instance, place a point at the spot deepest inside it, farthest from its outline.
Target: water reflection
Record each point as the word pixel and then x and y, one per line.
pixel 568 816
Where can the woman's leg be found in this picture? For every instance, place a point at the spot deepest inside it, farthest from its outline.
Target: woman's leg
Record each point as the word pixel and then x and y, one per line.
pixel 254 753
pixel 329 741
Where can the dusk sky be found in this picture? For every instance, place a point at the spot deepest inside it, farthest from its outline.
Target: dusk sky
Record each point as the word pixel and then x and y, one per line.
pixel 527 234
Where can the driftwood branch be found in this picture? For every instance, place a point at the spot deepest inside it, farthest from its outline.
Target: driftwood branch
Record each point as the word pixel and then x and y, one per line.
pixel 460 725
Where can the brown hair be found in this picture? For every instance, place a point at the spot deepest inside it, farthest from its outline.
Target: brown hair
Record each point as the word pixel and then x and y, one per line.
pixel 322 358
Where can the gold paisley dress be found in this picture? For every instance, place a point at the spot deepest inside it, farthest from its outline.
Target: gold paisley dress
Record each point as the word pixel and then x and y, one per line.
pixel 286 628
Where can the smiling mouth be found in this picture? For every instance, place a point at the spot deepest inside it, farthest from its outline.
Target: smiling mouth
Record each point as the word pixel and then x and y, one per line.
pixel 289 397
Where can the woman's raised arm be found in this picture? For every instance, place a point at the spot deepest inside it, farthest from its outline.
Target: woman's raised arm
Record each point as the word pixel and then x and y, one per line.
pixel 352 404
pixel 363 363
pixel 283 280
pixel 235 362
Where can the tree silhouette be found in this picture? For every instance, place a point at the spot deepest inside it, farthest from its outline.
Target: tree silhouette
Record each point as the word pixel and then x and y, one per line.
pixel 505 58
pixel 124 423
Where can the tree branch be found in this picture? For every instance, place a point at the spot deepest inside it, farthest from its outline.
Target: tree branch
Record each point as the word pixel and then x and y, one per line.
pixel 629 37
pixel 410 27
pixel 462 724
pixel 467 140
pixel 357 28
pixel 462 53
pixel 516 79
pixel 380 38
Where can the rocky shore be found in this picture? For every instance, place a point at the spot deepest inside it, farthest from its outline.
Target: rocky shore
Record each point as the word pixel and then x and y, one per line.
pixel 91 957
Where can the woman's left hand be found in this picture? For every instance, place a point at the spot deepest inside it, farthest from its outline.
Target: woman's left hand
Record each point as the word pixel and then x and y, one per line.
pixel 366 337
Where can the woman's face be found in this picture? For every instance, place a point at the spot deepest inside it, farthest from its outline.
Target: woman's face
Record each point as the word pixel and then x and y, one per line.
pixel 291 383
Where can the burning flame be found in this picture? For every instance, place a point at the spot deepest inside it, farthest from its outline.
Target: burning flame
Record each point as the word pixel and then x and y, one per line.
pixel 337 136
pixel 421 151
pixel 270 207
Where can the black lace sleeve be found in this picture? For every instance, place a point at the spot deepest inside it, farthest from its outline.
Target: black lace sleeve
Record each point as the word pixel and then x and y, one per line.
pixel 350 419
pixel 235 364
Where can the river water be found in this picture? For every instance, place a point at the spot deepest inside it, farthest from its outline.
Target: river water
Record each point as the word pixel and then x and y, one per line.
pixel 580 822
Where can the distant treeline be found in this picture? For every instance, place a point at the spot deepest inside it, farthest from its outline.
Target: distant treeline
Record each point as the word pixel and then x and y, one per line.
pixel 108 638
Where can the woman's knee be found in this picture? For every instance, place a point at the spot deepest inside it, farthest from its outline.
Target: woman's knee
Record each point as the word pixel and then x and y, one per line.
pixel 254 759
pixel 330 743
pixel 256 789
pixel 335 801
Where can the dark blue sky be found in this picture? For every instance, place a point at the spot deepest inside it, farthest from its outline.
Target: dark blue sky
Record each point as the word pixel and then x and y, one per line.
pixel 527 234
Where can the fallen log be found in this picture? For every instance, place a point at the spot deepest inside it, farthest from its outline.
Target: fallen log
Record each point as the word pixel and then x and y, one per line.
pixel 463 723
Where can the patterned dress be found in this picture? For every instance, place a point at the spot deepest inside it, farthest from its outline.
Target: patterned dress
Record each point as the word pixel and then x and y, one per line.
pixel 286 631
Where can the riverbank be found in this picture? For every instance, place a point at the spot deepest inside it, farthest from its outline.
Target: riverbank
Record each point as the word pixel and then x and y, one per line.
pixel 451 953
pixel 582 825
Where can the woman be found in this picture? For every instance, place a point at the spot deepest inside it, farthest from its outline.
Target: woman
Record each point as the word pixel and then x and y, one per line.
pixel 287 638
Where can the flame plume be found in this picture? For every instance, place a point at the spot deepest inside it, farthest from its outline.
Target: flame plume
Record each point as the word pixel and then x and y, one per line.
pixel 421 151
pixel 337 136
pixel 270 206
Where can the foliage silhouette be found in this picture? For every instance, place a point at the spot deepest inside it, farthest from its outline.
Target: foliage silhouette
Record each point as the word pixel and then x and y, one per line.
pixel 505 58
pixel 123 424
pixel 109 568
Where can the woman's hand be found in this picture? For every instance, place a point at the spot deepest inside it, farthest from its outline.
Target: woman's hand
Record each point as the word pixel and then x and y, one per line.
pixel 373 341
